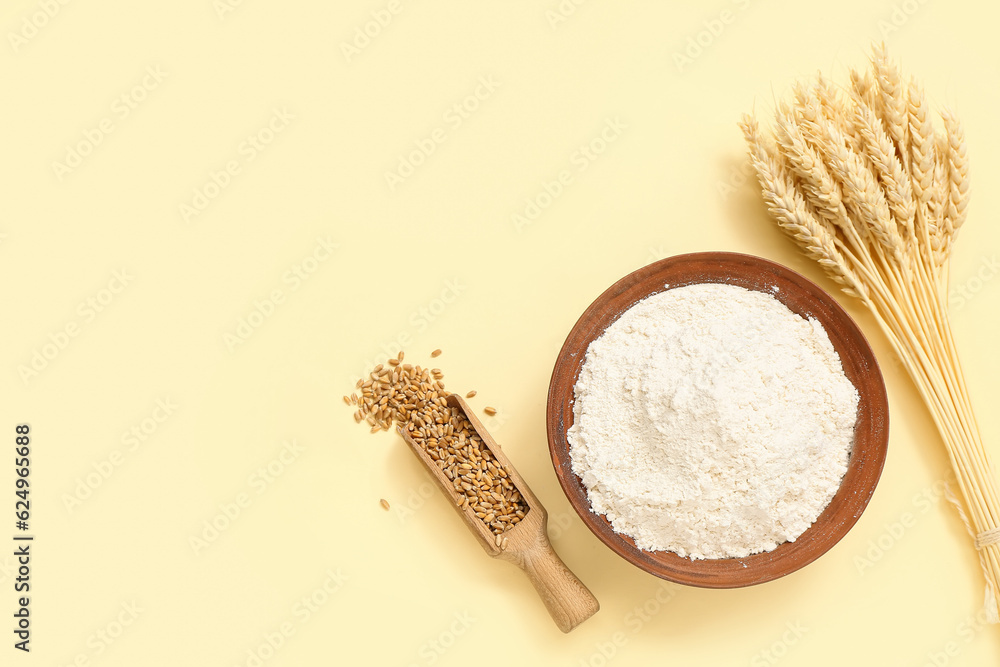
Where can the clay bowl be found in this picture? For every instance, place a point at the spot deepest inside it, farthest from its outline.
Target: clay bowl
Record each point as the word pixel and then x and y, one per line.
pixel 802 297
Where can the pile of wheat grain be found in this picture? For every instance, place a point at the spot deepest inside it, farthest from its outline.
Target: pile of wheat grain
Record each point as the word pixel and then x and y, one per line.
pixel 870 186
pixel 414 398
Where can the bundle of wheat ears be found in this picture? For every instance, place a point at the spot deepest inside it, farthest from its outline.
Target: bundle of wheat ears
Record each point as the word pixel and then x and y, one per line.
pixel 868 184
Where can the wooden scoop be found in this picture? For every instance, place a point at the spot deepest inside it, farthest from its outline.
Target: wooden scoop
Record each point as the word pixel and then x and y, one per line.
pixel 527 543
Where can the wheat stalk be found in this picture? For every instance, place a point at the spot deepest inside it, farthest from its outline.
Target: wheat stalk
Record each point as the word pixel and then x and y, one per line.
pixel 867 187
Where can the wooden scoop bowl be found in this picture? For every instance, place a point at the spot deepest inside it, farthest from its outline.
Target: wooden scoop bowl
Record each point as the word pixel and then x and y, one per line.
pixel 527 543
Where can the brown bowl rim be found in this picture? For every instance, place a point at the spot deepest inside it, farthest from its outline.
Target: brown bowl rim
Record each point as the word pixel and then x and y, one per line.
pixel 802 296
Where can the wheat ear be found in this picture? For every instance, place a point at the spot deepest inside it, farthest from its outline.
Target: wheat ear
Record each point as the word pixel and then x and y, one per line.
pixel 863 198
pixel 886 163
pixel 789 209
pixel 881 153
pixel 922 165
pixel 958 176
pixel 892 99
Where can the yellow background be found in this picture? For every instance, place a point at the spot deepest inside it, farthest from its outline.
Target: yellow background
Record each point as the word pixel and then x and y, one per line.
pixel 433 261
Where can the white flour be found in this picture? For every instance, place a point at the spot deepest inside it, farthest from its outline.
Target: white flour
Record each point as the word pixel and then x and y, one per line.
pixel 712 421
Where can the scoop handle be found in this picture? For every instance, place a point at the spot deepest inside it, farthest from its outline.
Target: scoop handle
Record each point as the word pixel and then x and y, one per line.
pixel 569 602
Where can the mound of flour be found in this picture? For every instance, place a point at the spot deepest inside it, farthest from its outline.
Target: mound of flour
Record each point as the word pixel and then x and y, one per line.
pixel 712 421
